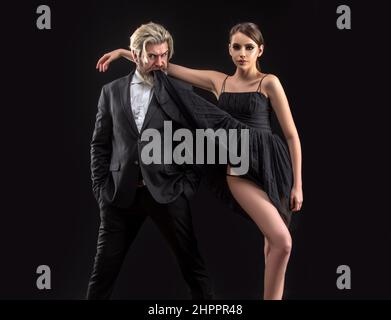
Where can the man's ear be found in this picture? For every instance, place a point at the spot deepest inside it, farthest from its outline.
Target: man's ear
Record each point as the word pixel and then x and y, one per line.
pixel 136 58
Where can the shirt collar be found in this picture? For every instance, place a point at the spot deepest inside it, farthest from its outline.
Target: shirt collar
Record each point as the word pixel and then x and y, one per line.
pixel 138 79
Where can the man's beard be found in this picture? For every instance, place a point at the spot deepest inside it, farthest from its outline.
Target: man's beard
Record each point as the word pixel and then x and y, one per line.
pixel 148 75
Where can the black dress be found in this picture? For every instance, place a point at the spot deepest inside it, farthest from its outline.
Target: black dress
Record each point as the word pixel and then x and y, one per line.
pixel 269 160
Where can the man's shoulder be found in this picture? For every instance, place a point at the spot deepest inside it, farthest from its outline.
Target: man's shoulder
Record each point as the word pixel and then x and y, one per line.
pixel 117 83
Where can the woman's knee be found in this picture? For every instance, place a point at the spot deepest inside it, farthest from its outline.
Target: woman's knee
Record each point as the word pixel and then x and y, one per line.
pixel 281 244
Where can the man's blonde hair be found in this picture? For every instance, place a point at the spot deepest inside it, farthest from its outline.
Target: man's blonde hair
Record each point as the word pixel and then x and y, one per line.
pixel 150 33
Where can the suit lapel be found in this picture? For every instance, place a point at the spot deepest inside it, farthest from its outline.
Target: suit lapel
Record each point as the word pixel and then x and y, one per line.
pixel 159 98
pixel 153 105
pixel 160 92
pixel 124 93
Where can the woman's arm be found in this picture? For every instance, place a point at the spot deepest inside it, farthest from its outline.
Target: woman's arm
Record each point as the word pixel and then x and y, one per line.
pixel 281 107
pixel 204 79
pixel 105 60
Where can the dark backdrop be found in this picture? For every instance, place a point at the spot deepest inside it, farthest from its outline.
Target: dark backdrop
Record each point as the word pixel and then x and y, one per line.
pixel 337 85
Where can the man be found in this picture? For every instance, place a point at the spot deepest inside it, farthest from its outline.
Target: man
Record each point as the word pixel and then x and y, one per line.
pixel 127 189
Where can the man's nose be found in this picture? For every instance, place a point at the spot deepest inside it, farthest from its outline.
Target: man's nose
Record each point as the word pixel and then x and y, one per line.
pixel 159 61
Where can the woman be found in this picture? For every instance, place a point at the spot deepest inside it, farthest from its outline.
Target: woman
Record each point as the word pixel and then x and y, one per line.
pixel 272 188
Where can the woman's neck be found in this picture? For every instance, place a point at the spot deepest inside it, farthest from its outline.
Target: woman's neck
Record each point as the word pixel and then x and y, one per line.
pixel 246 75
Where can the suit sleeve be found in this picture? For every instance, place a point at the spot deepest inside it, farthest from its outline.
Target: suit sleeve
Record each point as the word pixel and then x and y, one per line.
pixel 173 109
pixel 101 146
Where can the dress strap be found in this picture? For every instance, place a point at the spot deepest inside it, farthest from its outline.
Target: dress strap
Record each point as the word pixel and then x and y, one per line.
pixel 260 82
pixel 223 86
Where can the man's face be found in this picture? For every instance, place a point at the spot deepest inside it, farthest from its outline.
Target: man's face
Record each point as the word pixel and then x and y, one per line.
pixel 157 58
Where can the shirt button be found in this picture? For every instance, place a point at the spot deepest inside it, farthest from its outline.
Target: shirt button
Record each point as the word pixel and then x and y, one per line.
pixel 136 162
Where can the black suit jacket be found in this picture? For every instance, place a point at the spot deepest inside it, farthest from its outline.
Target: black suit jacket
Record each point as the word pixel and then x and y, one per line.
pixel 116 147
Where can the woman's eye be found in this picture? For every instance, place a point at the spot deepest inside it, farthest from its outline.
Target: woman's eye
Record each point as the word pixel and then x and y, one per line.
pixel 249 48
pixel 236 47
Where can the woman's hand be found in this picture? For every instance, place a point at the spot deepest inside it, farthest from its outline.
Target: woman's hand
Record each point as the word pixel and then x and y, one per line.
pixel 106 59
pixel 296 200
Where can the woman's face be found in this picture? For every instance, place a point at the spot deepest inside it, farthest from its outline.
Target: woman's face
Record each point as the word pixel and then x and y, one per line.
pixel 244 51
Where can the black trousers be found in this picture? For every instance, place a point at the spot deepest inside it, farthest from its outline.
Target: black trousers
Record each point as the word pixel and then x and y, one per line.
pixel 118 229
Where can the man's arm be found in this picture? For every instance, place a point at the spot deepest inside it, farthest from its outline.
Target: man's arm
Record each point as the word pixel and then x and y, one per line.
pixel 101 146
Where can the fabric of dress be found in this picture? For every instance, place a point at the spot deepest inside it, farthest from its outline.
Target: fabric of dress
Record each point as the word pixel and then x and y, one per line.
pixel 269 160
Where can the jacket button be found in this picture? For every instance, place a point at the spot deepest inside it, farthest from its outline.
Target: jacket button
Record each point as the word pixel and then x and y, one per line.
pixel 136 162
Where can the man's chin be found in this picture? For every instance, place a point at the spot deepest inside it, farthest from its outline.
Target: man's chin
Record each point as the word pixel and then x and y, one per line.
pixel 163 70
pixel 148 74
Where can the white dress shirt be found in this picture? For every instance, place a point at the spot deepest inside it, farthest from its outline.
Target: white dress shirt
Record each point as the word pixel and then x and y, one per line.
pixel 140 96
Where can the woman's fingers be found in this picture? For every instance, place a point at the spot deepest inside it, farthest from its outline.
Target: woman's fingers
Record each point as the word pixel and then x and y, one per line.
pixel 102 61
pixel 105 65
pixel 298 205
pixel 100 67
pixel 295 204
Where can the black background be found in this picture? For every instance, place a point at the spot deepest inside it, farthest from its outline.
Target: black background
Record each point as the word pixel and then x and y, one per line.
pixel 337 84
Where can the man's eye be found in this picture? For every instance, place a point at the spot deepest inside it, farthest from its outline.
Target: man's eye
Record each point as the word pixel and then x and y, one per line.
pixel 151 56
pixel 164 54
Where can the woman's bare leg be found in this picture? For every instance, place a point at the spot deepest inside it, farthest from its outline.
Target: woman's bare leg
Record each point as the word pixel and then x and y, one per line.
pixel 266 249
pixel 278 241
